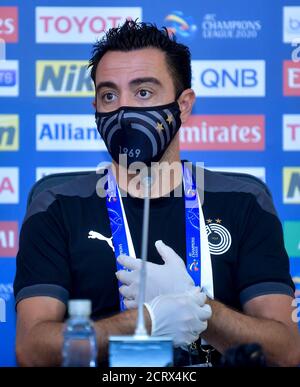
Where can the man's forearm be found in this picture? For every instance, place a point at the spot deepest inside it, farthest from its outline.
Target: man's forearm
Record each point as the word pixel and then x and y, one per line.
pixel 43 344
pixel 228 328
pixel 118 325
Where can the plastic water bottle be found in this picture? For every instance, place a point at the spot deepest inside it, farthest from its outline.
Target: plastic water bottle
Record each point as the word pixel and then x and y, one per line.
pixel 80 342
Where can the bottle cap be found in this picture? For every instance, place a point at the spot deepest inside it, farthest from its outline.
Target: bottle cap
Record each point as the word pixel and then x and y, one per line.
pixel 79 307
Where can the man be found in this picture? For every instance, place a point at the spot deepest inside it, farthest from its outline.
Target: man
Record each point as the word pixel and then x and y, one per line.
pixel 69 239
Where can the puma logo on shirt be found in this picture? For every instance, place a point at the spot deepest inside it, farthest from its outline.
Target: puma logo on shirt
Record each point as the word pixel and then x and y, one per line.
pixel 97 235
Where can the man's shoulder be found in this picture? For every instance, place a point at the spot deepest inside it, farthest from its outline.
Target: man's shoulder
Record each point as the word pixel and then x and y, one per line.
pixel 77 186
pixel 218 181
pixel 235 184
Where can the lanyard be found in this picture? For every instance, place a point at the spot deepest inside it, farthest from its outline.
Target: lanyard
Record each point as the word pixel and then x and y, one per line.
pixel 121 236
pixel 192 227
pixel 198 260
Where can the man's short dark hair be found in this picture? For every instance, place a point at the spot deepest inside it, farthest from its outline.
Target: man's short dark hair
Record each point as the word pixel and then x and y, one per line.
pixel 133 35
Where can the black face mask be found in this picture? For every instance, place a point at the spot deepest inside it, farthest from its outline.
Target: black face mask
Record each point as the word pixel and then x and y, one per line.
pixel 143 133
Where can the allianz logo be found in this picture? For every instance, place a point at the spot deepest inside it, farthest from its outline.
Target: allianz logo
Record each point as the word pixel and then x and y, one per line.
pixel 73 132
pixel 66 131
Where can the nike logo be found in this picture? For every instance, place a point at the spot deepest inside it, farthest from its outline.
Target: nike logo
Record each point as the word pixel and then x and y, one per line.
pixel 97 235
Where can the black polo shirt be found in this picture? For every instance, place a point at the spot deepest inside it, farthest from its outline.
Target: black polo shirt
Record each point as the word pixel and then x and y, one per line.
pixel 56 257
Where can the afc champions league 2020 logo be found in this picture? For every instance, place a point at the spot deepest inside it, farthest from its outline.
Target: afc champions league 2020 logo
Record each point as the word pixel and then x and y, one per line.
pixel 219 238
pixel 181 25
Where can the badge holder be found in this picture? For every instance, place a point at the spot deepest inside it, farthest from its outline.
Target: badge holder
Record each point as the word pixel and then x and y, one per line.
pixel 141 350
pixel 196 349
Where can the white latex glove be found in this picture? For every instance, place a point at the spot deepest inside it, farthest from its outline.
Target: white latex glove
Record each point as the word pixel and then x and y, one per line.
pixel 181 316
pixel 170 278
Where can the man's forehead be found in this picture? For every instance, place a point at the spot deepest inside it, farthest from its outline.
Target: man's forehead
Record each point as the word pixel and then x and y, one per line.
pixel 136 63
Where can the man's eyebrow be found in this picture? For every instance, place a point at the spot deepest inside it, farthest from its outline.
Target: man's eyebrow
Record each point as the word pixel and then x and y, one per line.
pixel 133 82
pixel 138 81
pixel 107 84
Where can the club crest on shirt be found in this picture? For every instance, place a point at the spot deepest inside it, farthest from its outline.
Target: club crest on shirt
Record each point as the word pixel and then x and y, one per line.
pixel 219 238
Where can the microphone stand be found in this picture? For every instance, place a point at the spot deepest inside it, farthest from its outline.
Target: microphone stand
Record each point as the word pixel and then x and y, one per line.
pixel 147 182
pixel 141 350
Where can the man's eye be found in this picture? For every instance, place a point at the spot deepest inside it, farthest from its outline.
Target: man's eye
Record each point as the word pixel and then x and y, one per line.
pixel 108 97
pixel 144 93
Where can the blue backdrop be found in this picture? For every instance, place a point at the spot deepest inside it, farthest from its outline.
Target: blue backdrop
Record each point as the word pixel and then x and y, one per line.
pixel 246 74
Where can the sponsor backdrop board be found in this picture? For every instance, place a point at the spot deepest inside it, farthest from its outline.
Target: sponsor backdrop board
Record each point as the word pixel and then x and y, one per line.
pixel 246 75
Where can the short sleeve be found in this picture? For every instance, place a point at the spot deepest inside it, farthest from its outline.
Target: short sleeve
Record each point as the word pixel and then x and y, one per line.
pixel 263 264
pixel 42 260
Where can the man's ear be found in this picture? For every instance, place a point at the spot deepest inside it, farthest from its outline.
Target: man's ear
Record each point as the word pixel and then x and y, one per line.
pixel 94 103
pixel 186 102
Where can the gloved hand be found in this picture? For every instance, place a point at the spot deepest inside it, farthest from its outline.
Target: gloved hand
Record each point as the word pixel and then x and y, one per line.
pixel 170 278
pixel 181 316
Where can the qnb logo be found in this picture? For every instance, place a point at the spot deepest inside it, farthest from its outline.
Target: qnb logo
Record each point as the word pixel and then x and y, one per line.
pixel 63 79
pixel 291 185
pixel 291 78
pixel 2 310
pixel 229 78
pixel 223 132
pixel 212 78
